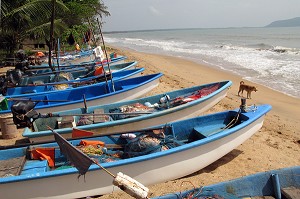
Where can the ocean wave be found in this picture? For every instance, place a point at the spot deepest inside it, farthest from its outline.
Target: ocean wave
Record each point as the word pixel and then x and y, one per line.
pixel 258 62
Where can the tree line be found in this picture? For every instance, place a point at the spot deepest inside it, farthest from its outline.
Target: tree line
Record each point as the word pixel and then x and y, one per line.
pixel 22 20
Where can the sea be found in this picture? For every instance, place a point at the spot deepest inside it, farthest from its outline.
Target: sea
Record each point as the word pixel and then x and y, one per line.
pixel 266 56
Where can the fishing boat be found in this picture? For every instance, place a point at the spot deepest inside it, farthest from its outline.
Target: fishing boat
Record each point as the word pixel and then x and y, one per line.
pixel 80 74
pixel 117 65
pixel 130 115
pixel 113 91
pixel 116 60
pixel 149 156
pixel 59 87
pixel 280 183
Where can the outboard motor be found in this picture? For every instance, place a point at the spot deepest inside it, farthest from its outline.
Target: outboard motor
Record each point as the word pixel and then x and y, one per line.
pixel 24 113
pixel 3 84
pixel 14 76
pixel 23 66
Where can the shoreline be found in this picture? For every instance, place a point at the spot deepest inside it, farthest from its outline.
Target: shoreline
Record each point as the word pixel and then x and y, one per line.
pixel 276 145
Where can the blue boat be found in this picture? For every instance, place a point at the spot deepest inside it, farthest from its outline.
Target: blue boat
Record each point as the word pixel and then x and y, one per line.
pixel 281 183
pixel 117 60
pixel 150 156
pixel 116 65
pixel 131 115
pixel 80 74
pixel 91 95
pixel 58 87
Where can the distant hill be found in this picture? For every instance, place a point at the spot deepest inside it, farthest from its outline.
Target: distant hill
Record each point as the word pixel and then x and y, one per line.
pixel 285 23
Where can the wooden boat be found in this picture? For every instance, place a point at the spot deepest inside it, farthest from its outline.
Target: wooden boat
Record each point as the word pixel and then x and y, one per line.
pixel 34 90
pixel 76 74
pixel 183 103
pixel 196 142
pixel 92 95
pixel 281 183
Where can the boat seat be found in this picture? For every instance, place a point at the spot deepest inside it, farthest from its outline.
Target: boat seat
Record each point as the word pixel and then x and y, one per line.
pixel 206 131
pixel 35 166
pixel 12 166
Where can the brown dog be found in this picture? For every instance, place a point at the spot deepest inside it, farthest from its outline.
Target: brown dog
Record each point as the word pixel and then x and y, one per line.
pixel 247 88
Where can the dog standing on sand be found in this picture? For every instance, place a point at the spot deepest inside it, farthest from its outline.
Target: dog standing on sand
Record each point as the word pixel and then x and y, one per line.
pixel 247 88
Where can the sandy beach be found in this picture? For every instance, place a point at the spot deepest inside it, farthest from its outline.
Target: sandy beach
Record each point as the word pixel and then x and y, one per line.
pixel 276 145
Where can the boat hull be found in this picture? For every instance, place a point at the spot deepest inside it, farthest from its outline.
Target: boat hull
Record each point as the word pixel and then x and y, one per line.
pixel 146 170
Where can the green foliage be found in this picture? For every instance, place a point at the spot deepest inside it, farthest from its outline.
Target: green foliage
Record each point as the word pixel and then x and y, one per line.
pixel 77 31
pixel 22 18
pixel 29 19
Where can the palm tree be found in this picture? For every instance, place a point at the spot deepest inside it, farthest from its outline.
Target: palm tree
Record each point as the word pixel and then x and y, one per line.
pixel 22 19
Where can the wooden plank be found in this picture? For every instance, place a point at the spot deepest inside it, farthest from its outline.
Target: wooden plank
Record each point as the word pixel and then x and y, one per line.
pixel 291 192
pixel 12 166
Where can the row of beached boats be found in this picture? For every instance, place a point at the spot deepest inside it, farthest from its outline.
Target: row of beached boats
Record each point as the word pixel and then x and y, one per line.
pixel 107 123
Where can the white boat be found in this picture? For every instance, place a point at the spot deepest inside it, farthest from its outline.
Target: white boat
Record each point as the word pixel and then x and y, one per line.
pixel 182 104
pixel 182 147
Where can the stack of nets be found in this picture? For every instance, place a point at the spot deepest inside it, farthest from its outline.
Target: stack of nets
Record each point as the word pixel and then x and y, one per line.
pixel 62 77
pixel 132 108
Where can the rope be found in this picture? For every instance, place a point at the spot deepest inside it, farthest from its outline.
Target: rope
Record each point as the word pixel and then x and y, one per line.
pixel 234 120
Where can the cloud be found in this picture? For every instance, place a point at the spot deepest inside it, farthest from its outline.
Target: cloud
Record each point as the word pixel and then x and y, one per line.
pixel 154 11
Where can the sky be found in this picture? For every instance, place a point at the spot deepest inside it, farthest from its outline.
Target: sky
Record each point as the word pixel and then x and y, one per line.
pixel 172 14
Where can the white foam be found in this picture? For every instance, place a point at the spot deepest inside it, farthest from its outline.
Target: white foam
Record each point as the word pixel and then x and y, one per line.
pixel 278 68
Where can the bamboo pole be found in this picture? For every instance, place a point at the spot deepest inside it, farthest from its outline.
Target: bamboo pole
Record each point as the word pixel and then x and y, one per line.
pixel 113 85
pixel 51 36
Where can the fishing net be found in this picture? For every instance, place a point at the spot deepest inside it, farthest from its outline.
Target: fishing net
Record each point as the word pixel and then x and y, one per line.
pixel 194 96
pixel 132 108
pixel 148 143
pixel 62 77
pixel 101 153
pixel 85 120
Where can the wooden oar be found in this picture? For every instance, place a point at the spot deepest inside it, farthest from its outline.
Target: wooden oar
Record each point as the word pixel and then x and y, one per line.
pixel 90 134
pixel 27 99
pixel 92 114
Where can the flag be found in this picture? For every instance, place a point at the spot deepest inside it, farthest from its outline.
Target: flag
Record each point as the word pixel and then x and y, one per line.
pixel 99 53
pixel 80 160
